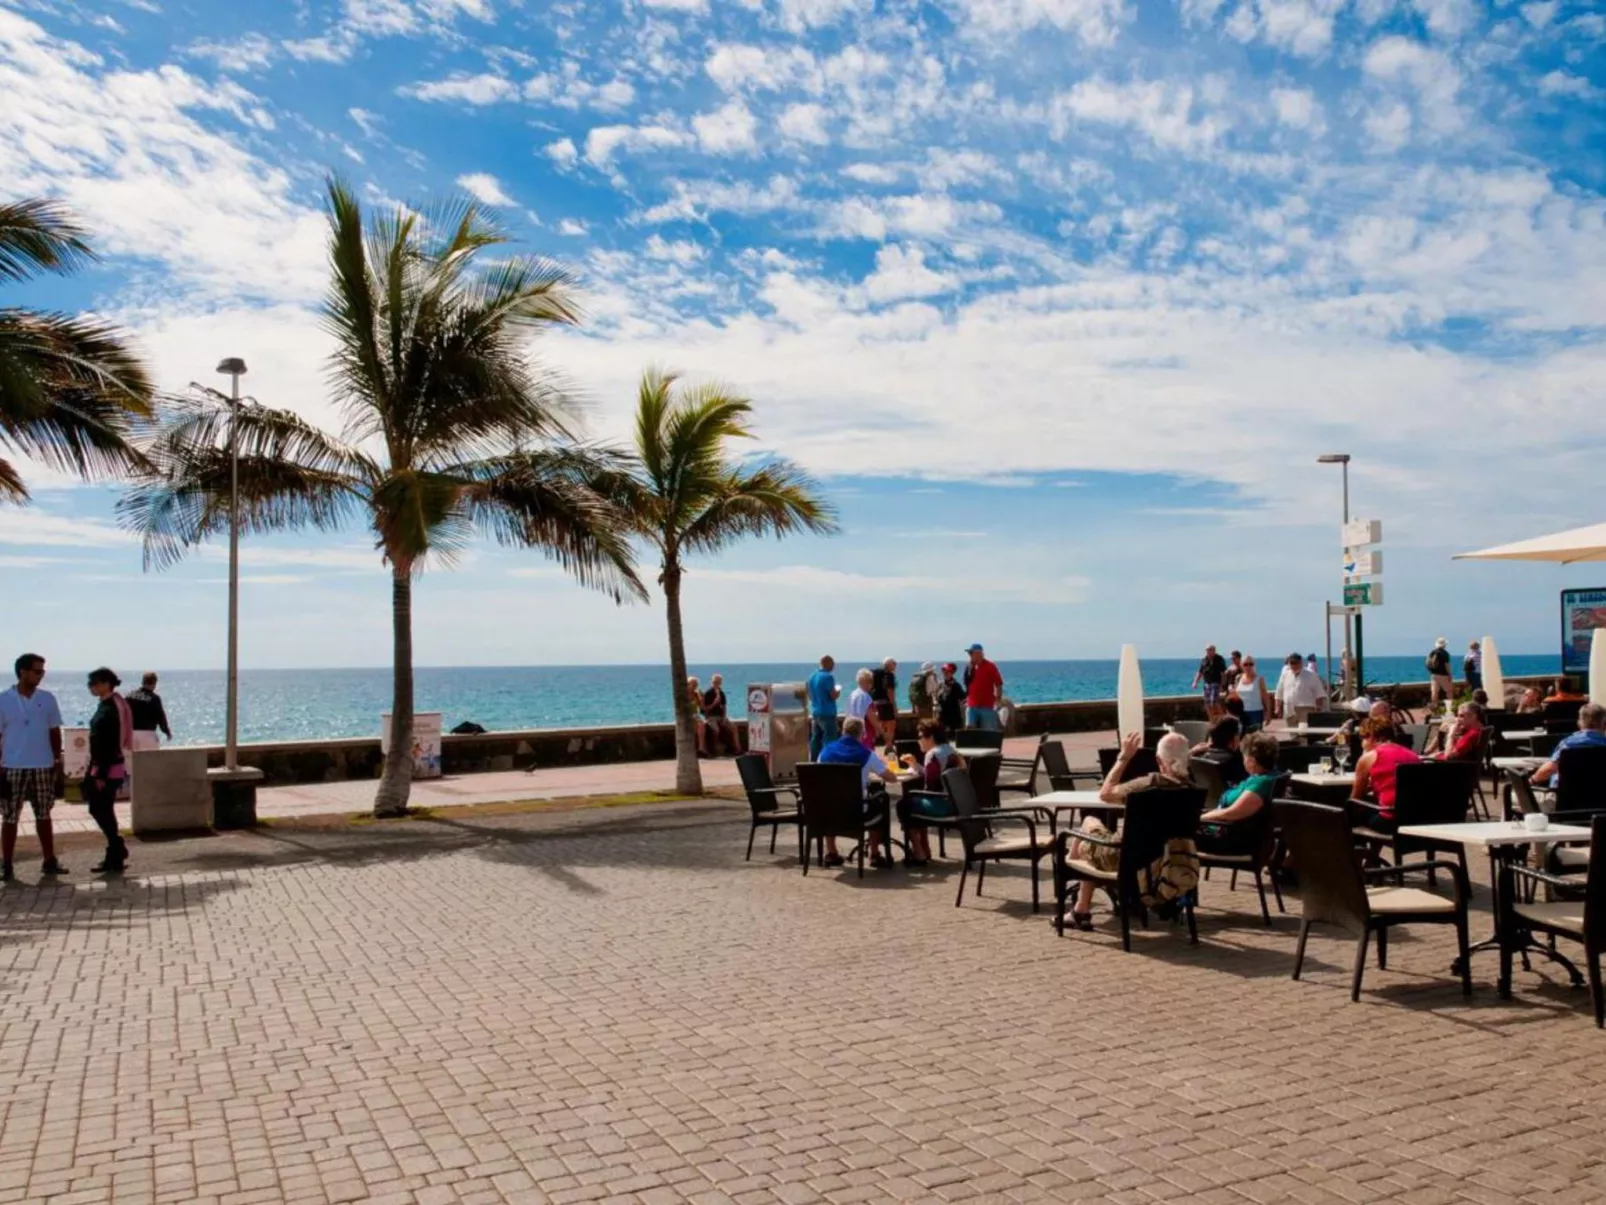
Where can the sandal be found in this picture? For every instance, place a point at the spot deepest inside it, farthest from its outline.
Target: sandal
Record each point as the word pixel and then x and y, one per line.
pixel 833 859
pixel 1080 920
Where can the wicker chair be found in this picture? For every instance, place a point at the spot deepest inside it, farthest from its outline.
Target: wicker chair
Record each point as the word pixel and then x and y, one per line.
pixel 1061 777
pixel 1577 919
pixel 982 844
pixel 834 806
pixel 1153 818
pixel 765 799
pixel 1260 832
pixel 1335 890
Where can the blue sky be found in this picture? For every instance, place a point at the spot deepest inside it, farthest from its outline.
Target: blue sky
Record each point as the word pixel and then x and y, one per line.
pixel 1059 298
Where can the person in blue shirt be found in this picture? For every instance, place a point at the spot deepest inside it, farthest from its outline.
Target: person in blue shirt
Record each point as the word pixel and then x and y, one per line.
pixel 30 762
pixel 849 749
pixel 1591 733
pixel 823 693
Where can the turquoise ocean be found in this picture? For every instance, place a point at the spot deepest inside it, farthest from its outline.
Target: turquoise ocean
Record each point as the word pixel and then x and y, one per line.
pixel 316 704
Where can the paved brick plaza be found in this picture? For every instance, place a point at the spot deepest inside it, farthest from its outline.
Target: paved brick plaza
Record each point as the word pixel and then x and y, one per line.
pixel 608 1005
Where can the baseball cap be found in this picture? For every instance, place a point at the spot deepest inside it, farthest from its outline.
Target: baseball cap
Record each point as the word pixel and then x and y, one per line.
pixel 949 666
pixel 975 648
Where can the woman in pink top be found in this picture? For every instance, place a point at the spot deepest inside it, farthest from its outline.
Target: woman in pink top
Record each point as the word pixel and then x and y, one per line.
pixel 1381 758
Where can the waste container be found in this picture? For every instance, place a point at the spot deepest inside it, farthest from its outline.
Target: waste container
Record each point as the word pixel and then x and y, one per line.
pixel 778 726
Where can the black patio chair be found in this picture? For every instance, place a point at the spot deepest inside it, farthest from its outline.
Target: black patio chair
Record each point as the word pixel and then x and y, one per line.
pixel 1153 819
pixel 834 806
pixel 1259 836
pixel 1327 719
pixel 1335 890
pixel 1580 918
pixel 1207 776
pixel 1193 731
pixel 769 803
pixel 1020 773
pixel 1416 737
pixel 1061 777
pixel 1299 759
pixel 1143 762
pixel 1427 792
pixel 1581 780
pixel 976 827
pixel 1563 713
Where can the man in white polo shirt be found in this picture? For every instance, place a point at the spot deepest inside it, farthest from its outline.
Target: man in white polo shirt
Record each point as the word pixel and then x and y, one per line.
pixel 30 762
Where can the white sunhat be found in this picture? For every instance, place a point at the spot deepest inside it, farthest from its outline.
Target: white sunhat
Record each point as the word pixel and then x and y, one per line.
pixel 1361 705
pixel 1440 643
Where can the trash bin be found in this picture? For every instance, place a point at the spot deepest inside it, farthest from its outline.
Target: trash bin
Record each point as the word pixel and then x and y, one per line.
pixel 778 726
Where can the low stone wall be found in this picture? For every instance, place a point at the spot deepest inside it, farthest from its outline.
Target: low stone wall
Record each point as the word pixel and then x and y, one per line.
pixel 287 762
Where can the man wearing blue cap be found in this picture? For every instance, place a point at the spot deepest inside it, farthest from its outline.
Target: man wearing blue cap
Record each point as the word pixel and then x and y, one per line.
pixel 984 686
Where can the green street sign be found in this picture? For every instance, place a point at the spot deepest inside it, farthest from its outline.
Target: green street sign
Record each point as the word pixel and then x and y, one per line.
pixel 1364 594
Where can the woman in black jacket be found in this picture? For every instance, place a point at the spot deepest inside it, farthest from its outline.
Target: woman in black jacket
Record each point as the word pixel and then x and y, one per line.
pixel 110 730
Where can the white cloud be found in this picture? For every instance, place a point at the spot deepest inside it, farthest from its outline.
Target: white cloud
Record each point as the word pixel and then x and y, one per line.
pixel 902 272
pixel 872 173
pixel 33 527
pixel 1165 111
pixel 562 152
pixel 1561 83
pixel 734 66
pixel 684 6
pixel 1095 22
pixel 1388 126
pixel 252 52
pixel 681 251
pixel 482 89
pixel 126 151
pixel 1447 18
pixel 800 15
pixel 572 228
pixel 805 123
pixel 603 142
pixel 368 122
pixel 1296 107
pixel 1301 27
pixel 484 187
pixel 728 130
pixel 1425 71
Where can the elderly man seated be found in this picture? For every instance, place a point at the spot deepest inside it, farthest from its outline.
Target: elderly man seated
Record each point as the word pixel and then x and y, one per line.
pixel 1172 755
pixel 1591 734
pixel 849 749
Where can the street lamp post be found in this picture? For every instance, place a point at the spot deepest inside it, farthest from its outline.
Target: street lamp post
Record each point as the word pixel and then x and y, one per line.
pixel 234 368
pixel 1342 460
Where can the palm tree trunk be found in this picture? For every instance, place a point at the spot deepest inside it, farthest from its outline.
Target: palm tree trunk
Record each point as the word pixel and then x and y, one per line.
pixel 397 784
pixel 688 773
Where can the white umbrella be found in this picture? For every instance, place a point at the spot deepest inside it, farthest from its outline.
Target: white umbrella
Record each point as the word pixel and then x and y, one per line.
pixel 1129 693
pixel 1494 683
pixel 1565 547
pixel 1597 667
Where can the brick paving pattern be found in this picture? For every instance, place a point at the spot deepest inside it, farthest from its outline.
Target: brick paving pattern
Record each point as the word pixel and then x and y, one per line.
pixel 611 1006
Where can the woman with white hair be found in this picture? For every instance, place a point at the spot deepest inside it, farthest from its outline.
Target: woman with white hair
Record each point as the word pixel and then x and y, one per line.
pixel 1172 755
pixel 861 707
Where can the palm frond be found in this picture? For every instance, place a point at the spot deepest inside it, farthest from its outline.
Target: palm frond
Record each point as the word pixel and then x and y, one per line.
pixel 420 515
pixel 776 499
pixel 40 236
pixel 558 501
pixel 71 391
pixel 12 488
pixel 359 370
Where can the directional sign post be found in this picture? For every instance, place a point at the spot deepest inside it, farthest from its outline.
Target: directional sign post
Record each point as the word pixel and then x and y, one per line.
pixel 1363 594
pixel 1363 564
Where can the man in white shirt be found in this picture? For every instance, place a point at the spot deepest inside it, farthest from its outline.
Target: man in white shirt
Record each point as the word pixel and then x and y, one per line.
pixel 30 762
pixel 1299 691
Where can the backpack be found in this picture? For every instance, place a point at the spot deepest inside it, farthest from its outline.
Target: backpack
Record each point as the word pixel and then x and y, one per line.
pixel 1171 876
pixel 920 692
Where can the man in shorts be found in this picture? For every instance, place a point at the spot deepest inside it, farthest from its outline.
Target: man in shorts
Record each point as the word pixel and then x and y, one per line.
pixel 30 763
pixel 1210 677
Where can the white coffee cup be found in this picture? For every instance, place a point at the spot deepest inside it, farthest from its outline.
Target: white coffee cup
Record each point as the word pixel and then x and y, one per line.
pixel 1535 822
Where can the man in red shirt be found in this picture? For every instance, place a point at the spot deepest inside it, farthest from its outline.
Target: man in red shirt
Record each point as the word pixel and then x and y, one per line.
pixel 984 686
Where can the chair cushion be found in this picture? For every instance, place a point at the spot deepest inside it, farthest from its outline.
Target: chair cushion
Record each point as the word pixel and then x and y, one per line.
pixel 1086 870
pixel 1567 915
pixel 1227 859
pixel 1370 834
pixel 779 816
pixel 1002 846
pixel 1572 857
pixel 1407 899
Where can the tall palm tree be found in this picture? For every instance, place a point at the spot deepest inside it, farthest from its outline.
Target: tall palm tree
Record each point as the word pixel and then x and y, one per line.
pixel 687 495
pixel 450 430
pixel 71 389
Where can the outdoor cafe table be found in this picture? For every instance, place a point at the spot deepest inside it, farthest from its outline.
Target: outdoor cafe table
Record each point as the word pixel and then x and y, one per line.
pixel 1503 841
pixel 1517 763
pixel 1321 788
pixel 977 751
pixel 1056 802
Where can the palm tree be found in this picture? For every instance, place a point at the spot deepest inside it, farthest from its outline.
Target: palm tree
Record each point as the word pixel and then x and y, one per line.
pixel 70 388
pixel 450 431
pixel 686 495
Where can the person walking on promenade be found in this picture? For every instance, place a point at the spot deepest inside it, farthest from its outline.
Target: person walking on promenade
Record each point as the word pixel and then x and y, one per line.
pixel 1251 691
pixel 111 735
pixel 1208 680
pixel 950 699
pixel 1440 685
pixel 884 694
pixel 984 687
pixel 823 693
pixel 1299 691
pixel 1472 666
pixel 30 763
pixel 694 693
pixel 1235 669
pixel 149 714
pixel 861 707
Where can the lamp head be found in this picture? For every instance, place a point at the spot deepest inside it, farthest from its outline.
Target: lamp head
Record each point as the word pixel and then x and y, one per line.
pixel 233 366
pixel 1333 458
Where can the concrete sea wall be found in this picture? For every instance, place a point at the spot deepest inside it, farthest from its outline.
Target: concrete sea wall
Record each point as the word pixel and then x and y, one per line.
pixel 288 762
